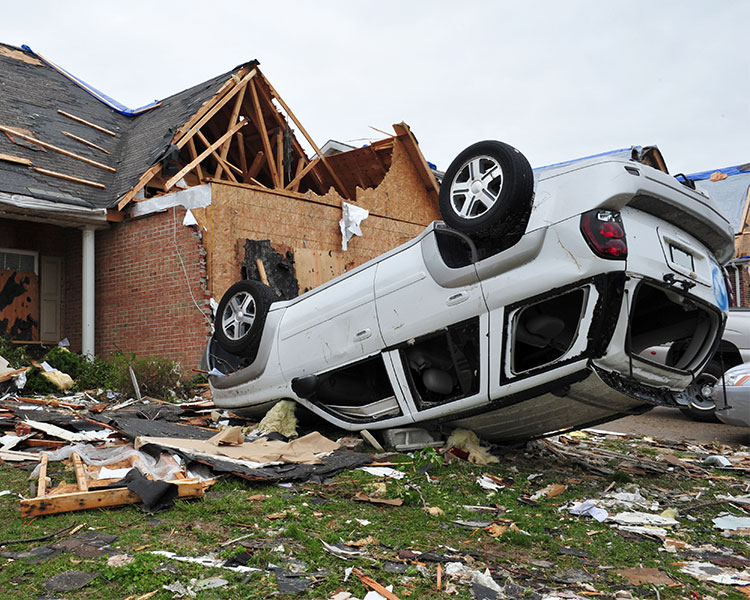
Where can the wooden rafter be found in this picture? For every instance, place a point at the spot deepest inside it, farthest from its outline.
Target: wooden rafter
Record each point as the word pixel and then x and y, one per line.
pixel 290 114
pixel 67 177
pixel 295 182
pixel 241 147
pixel 210 113
pixel 258 161
pixel 142 181
pixel 211 149
pixel 232 120
pixel 261 126
pixel 297 177
pixel 193 156
pixel 280 155
pixel 228 167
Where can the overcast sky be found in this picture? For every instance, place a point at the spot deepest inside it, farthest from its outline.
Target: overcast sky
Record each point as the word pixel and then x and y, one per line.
pixel 557 79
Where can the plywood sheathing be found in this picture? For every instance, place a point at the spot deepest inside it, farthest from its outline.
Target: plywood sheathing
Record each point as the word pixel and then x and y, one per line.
pixel 400 207
pixel 19 305
pixel 18 55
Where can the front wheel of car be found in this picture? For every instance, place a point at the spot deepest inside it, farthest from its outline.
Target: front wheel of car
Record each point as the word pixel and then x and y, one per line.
pixel 241 315
pixel 487 190
pixel 702 406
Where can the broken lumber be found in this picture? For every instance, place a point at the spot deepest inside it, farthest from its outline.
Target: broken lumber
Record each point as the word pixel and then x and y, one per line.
pixel 70 178
pixel 85 122
pixel 102 498
pixel 15 159
pixel 85 142
pixel 48 146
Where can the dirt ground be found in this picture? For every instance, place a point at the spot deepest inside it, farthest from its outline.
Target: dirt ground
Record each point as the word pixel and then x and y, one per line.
pixel 671 424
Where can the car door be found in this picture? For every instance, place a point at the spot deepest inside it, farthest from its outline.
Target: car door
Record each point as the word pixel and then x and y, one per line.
pixel 432 319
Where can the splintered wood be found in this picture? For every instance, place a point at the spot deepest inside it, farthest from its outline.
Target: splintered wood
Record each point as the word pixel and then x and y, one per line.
pixel 80 496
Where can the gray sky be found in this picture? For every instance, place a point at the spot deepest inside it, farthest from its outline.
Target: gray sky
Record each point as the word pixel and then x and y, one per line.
pixel 557 79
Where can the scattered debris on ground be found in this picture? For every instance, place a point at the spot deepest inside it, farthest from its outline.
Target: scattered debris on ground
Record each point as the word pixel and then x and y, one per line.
pixel 574 516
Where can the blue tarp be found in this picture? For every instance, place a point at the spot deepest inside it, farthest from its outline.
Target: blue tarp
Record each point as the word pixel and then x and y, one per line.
pixel 112 103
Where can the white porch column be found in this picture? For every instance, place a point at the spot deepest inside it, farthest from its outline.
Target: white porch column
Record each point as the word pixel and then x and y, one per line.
pixel 87 291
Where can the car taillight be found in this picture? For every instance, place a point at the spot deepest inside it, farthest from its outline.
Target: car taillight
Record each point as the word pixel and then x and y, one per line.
pixel 604 233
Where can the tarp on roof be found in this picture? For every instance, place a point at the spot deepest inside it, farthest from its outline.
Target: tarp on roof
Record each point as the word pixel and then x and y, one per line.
pixel 730 195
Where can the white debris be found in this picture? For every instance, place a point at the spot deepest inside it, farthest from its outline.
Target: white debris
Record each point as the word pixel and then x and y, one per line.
pixel 489 484
pixel 706 571
pixel 717 461
pixel 731 522
pixel 350 223
pixel 383 472
pixel 642 518
pixel 209 560
pixel 589 509
pixel 462 572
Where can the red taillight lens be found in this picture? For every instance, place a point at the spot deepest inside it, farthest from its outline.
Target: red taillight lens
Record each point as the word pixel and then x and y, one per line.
pixel 604 233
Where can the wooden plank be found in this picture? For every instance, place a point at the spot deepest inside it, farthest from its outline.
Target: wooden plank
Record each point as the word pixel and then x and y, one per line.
pixel 100 498
pixel 140 184
pixel 261 124
pixel 70 178
pixel 336 180
pixel 15 159
pixel 405 134
pixel 261 271
pixel 85 142
pixel 300 166
pixel 20 303
pixel 241 146
pixel 193 156
pixel 229 167
pixel 280 156
pixel 80 473
pixel 85 122
pixel 295 182
pixel 41 486
pixel 229 84
pixel 232 120
pixel 257 164
pixel 204 154
pixel 47 146
pixel 204 119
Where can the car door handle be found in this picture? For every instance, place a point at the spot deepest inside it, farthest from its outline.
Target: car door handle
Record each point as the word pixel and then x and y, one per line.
pixel 457 298
pixel 362 335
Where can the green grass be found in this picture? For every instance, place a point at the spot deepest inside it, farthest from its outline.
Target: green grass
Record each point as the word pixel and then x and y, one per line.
pixel 317 513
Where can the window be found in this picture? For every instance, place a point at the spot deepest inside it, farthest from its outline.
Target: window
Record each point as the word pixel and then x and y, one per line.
pixel 444 365
pixel 18 260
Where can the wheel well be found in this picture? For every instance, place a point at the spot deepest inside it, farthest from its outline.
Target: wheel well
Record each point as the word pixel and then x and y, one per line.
pixel 728 354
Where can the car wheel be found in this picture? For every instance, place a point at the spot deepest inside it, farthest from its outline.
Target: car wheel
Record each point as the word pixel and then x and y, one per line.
pixel 240 316
pixel 702 406
pixel 487 190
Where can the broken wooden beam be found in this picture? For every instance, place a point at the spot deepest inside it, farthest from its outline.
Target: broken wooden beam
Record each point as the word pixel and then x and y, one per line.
pixel 48 146
pixel 41 487
pixel 15 159
pixel 85 122
pixel 211 148
pixel 70 178
pixel 85 142
pixel 101 498
pixel 261 125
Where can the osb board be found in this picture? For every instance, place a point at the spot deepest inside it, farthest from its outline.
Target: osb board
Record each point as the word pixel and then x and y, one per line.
pixel 19 305
pixel 742 244
pixel 315 267
pixel 238 213
pixel 18 55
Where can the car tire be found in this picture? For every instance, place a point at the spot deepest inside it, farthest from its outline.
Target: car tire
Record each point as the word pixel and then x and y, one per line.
pixel 241 315
pixel 702 407
pixel 487 191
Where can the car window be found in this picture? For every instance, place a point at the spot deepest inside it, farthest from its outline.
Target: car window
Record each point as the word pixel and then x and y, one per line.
pixel 444 365
pixel 455 249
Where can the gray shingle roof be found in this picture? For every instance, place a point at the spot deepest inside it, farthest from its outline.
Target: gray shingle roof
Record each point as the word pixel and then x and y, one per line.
pixel 32 93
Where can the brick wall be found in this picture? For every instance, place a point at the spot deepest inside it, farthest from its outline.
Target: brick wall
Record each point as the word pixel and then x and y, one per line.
pixel 744 288
pixel 143 301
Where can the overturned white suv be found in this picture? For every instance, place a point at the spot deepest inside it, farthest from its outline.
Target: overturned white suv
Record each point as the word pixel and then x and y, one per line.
pixel 528 310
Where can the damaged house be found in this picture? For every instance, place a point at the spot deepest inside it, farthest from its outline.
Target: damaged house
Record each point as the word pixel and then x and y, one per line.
pixel 118 226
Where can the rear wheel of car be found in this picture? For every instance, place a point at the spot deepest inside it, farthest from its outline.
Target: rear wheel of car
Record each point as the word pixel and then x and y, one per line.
pixel 487 191
pixel 702 406
pixel 241 315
